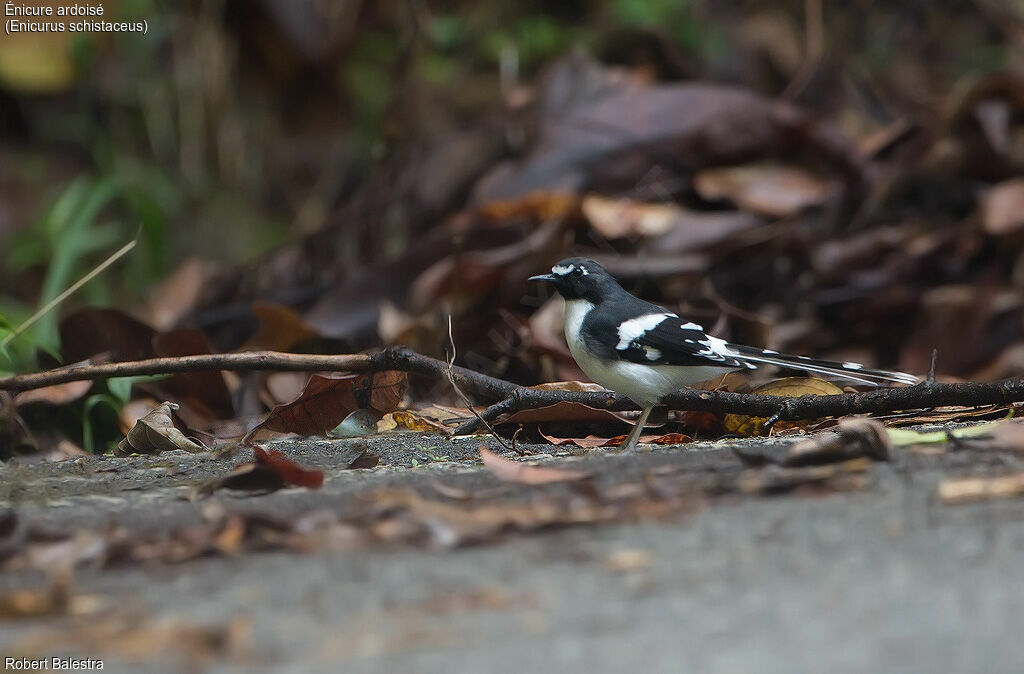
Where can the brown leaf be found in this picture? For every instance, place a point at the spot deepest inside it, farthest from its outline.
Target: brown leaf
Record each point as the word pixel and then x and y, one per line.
pixel 133 410
pixel 773 190
pixel 587 442
pixel 155 433
pixel 1002 208
pixel 326 401
pixel 269 471
pixel 280 329
pixel 601 128
pixel 591 441
pixel 91 331
pixel 282 387
pixel 788 387
pixel 969 490
pixel 51 600
pixel 385 390
pixel 507 470
pixel 1005 436
pixel 777 480
pixel 626 219
pixel 628 560
pixel 562 411
pixel 851 439
pixel 669 228
pixel 59 394
pixel 540 205
pixel 178 295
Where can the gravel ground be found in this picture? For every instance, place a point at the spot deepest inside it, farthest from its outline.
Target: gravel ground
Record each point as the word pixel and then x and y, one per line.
pixel 883 578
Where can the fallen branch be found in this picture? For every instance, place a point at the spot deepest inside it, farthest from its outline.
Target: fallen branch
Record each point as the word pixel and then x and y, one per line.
pixel 513 398
pixel 774 408
pixel 393 358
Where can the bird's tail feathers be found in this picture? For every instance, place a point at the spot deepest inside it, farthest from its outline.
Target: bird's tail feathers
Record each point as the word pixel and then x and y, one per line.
pixel 852 371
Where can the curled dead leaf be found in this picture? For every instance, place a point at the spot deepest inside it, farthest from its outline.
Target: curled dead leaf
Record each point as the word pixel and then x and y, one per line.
pixel 851 439
pixel 270 470
pixel 155 433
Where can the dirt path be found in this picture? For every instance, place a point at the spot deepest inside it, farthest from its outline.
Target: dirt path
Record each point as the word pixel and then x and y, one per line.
pixel 870 575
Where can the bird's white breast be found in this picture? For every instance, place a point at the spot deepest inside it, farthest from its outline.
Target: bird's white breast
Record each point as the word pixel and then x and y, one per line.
pixel 643 384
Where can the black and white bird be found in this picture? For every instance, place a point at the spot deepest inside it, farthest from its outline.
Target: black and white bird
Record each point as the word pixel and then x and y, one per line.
pixel 645 351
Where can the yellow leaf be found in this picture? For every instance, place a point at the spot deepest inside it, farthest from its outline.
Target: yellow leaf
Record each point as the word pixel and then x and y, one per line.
pixel 408 421
pixel 788 387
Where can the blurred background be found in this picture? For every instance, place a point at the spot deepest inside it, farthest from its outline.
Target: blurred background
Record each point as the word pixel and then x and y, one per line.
pixel 836 179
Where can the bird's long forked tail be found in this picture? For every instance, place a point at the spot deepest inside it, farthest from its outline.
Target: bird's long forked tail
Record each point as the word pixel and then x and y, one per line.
pixel 852 371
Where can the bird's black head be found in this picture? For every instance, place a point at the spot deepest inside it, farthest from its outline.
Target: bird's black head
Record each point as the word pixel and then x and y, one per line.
pixel 580 278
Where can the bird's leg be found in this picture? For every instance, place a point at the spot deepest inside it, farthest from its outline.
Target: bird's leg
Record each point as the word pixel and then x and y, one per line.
pixel 634 435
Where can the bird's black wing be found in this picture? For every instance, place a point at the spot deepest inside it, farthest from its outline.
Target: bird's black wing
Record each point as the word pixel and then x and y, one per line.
pixel 674 341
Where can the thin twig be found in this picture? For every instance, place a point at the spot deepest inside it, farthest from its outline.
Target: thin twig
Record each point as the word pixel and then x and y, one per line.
pixel 49 306
pixel 466 400
pixel 931 367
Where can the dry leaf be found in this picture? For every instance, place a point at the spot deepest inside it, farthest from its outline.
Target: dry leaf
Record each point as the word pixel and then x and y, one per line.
pixel 968 490
pixel 60 394
pixel 507 470
pixel 1002 208
pixel 90 331
pixel 591 441
pixel 270 470
pixel 777 191
pixel 851 439
pixel 623 218
pixel 280 329
pixel 326 401
pixel 177 295
pixel 788 387
pixel 409 421
pixel 155 433
pixel 630 559
pixel 562 411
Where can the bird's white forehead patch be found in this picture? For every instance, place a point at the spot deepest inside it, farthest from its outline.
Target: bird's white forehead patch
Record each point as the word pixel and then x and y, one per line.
pixel 562 270
pixel 634 327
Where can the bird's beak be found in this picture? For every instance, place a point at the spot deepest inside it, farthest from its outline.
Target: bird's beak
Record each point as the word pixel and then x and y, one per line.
pixel 550 278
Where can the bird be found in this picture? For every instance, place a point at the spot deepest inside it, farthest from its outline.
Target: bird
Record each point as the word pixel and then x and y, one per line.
pixel 645 351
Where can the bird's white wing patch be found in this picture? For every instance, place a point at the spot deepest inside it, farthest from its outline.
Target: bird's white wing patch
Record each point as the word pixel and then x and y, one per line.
pixel 634 327
pixel 692 326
